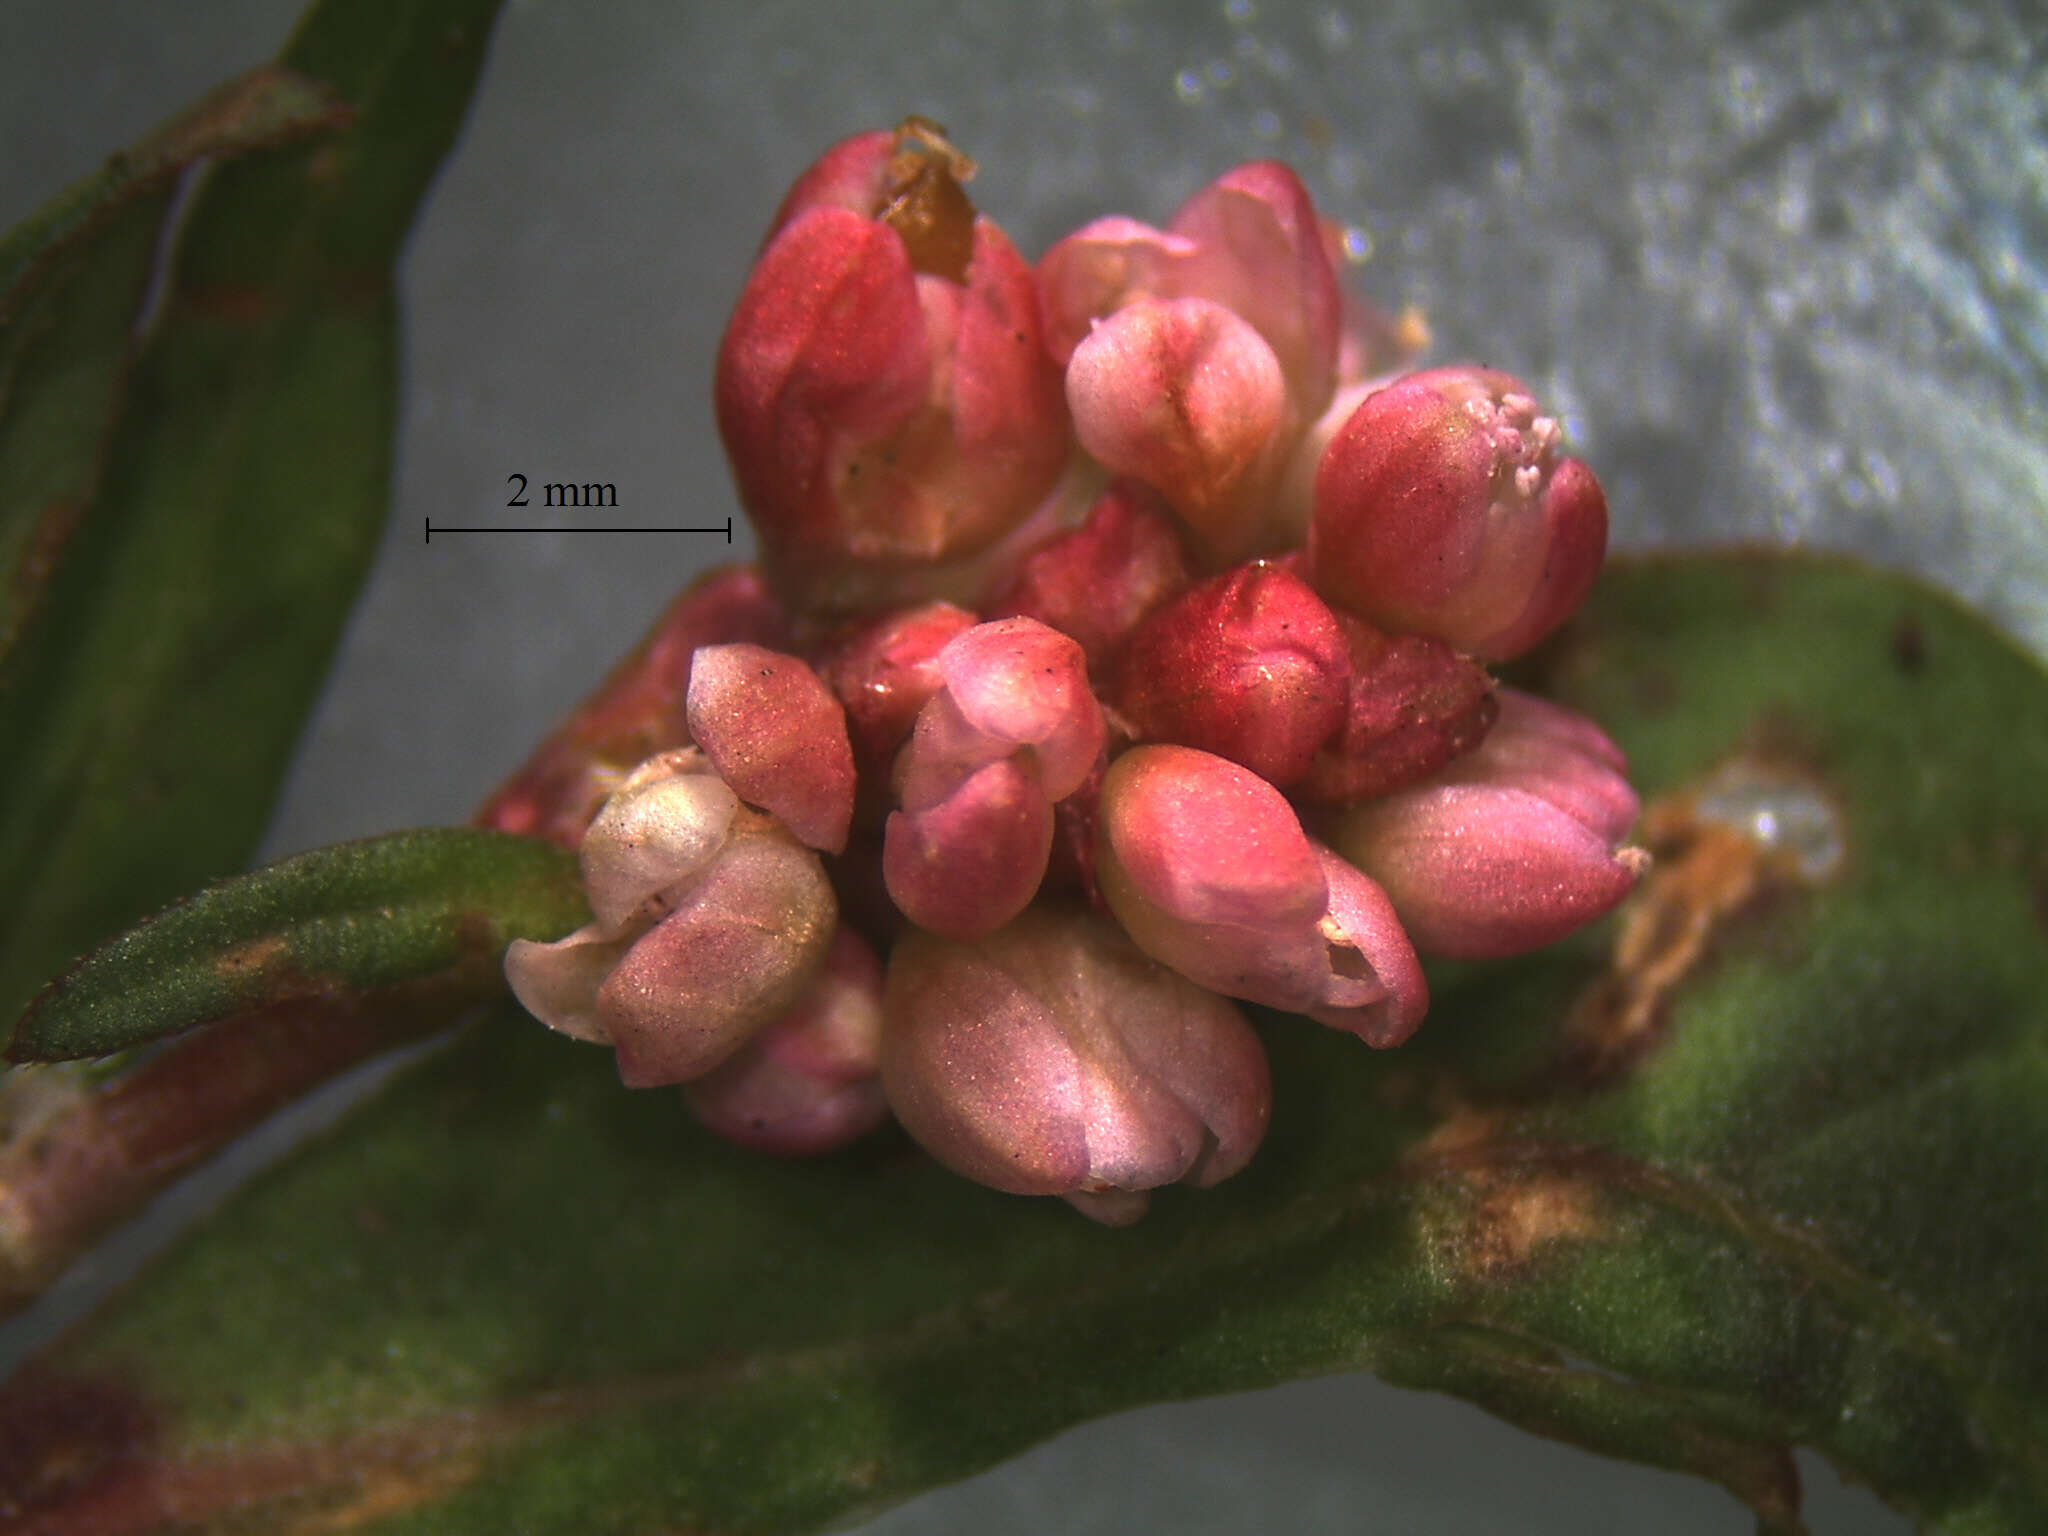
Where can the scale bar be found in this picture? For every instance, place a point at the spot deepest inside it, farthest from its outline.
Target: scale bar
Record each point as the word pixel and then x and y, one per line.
pixel 501 528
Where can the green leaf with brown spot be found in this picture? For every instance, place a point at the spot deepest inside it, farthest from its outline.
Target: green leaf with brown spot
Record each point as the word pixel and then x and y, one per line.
pixel 1780 1179
pixel 432 909
pixel 196 411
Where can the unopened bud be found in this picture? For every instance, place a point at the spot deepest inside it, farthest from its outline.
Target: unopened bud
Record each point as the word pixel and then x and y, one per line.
pixel 1511 847
pixel 1185 396
pixel 1095 583
pixel 636 712
pixel 1250 665
pixel 1205 865
pixel 884 672
pixel 709 920
pixel 1443 507
pixel 810 1081
pixel 1412 704
pixel 775 733
pixel 1199 354
pixel 1051 1058
pixel 882 389
pixel 1014 729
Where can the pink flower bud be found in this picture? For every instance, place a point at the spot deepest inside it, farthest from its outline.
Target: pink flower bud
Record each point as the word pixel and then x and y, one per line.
pixel 636 713
pixel 966 862
pixel 1205 865
pixel 1443 508
pixel 1258 248
pixel 1185 396
pixel 1510 848
pixel 776 735
pixel 884 672
pixel 810 1082
pixel 1051 1058
pixel 1249 241
pixel 1013 730
pixel 1411 705
pixel 1026 686
pixel 710 919
pixel 882 389
pixel 1095 583
pixel 1249 665
pixel 1163 386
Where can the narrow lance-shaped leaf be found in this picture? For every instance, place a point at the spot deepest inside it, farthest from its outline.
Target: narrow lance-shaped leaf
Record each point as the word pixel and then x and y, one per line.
pixel 200 505
pixel 301 969
pixel 414 909
pixel 1756 1165
pixel 73 282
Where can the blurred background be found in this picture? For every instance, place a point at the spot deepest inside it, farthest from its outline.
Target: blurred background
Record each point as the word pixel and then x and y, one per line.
pixel 1779 267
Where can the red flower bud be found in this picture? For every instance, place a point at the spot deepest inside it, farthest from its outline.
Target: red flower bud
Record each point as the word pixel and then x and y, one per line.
pixel 1051 1058
pixel 809 1082
pixel 1095 582
pixel 1443 508
pixel 1411 705
pixel 1510 848
pixel 775 733
pixel 1249 665
pixel 882 389
pixel 1207 869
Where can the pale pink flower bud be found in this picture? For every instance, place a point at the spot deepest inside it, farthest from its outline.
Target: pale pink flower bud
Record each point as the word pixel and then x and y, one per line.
pixel 1185 396
pixel 667 822
pixel 738 948
pixel 1443 507
pixel 709 920
pixel 1250 665
pixel 1510 848
pixel 1013 730
pixel 1412 704
pixel 1051 1058
pixel 1205 865
pixel 636 712
pixel 777 735
pixel 882 389
pixel 810 1081
pixel 1096 582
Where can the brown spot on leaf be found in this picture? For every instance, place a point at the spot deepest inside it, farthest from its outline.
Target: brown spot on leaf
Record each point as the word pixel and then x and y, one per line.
pixel 1753 831
pixel 1518 1218
pixel 259 957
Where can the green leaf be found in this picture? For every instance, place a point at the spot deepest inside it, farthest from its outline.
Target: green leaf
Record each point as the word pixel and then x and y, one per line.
pixel 188 506
pixel 1776 1181
pixel 433 908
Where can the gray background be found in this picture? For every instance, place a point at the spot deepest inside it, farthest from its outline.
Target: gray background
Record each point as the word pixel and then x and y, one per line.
pixel 1778 266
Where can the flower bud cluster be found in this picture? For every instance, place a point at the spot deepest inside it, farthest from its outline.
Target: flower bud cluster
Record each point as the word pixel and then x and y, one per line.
pixel 1117 655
